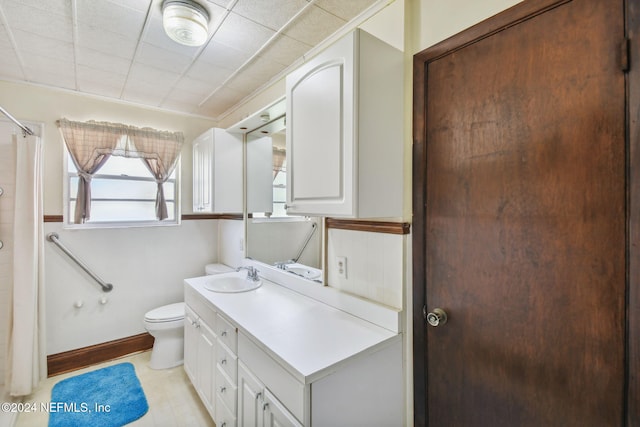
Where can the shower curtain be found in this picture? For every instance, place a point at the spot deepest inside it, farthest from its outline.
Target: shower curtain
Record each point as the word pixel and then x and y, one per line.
pixel 26 358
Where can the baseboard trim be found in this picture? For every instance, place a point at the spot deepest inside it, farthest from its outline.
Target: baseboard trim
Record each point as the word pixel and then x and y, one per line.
pixel 86 356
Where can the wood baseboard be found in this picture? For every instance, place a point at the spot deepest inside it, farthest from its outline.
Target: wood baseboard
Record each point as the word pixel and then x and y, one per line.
pixel 82 357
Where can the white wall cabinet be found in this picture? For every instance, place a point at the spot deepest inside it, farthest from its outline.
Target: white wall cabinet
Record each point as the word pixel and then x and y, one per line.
pixel 345 131
pixel 217 172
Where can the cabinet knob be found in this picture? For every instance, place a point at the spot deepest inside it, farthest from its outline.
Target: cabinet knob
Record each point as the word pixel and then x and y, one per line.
pixel 223 389
pixel 259 396
pixel 265 406
pixel 224 333
pixel 223 362
pixel 223 424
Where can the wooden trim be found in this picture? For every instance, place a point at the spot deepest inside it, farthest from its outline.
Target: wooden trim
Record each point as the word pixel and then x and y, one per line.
pixel 212 216
pixel 185 217
pixel 86 356
pixel 387 227
pixel 632 13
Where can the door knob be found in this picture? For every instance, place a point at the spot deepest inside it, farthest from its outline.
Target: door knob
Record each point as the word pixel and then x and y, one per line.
pixel 437 317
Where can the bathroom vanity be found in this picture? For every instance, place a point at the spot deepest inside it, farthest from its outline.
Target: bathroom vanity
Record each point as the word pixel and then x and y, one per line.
pixel 292 354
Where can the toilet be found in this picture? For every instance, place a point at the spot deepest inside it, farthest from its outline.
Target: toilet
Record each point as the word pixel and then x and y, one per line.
pixel 166 325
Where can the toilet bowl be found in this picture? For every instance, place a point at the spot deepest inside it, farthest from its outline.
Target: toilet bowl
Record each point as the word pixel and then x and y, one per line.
pixel 166 325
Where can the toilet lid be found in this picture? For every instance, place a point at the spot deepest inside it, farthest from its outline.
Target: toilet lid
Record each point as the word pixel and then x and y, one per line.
pixel 217 269
pixel 166 313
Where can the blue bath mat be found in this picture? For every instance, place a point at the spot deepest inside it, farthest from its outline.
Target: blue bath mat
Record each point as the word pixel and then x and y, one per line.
pixel 108 397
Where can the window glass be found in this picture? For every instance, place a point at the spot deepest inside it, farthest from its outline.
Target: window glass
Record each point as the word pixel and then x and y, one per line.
pixel 123 192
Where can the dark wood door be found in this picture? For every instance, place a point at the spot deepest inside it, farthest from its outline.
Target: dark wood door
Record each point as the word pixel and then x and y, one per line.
pixel 523 209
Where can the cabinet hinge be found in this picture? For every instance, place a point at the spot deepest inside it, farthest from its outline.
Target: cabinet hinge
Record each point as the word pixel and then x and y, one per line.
pixel 624 55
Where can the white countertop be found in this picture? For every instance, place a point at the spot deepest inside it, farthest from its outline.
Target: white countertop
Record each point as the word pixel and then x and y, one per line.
pixel 309 338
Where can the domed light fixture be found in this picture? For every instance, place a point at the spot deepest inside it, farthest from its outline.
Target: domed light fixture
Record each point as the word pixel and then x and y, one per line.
pixel 185 22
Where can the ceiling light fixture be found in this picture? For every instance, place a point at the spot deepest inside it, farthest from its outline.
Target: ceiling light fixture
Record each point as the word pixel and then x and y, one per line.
pixel 185 21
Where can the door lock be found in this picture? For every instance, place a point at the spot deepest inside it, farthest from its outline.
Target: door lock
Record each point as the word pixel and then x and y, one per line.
pixel 435 318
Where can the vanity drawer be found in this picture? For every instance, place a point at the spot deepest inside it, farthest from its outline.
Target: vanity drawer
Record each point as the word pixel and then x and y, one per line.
pixel 227 333
pixel 201 308
pixel 282 384
pixel 226 399
pixel 227 361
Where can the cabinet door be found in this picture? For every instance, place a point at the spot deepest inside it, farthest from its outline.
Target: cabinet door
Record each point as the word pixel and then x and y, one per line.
pixel 260 175
pixel 250 398
pixel 190 343
pixel 206 364
pixel 203 173
pixel 320 140
pixel 228 175
pixel 275 414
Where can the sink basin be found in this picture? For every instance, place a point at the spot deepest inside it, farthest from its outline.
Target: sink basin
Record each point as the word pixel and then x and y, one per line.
pixel 231 282
pixel 307 273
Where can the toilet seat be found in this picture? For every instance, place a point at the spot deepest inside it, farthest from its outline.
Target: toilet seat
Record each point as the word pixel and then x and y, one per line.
pixel 166 313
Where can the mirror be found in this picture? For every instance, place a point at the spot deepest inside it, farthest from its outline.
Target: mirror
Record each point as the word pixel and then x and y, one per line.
pixel 292 243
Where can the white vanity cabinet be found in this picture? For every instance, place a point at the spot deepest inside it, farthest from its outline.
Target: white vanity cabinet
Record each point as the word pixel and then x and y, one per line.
pixel 284 359
pixel 345 131
pixel 217 172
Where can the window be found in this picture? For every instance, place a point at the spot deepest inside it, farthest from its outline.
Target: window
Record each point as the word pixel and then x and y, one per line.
pixel 123 193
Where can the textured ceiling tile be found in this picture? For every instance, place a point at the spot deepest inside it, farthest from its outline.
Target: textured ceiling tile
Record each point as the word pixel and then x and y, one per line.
pixel 100 82
pixel 242 34
pixel 38 21
pixel 139 5
pixel 46 74
pixel 314 26
pixel 106 42
pixel 211 74
pixel 163 59
pixel 225 56
pixel 60 7
pixel 285 50
pixel 222 3
pixel 9 66
pixel 33 44
pixel 262 69
pixel 111 17
pixel 195 87
pixel 346 10
pixel 271 14
pixel 220 102
pixel 143 75
pixel 102 61
pixel 143 95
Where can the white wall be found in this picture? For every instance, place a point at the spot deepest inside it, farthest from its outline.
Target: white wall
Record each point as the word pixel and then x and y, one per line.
pixel 145 265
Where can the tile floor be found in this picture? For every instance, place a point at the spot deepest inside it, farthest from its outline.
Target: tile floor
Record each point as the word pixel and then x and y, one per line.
pixel 173 401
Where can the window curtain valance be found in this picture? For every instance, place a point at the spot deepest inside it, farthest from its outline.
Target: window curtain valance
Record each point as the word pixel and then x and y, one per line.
pixel 91 143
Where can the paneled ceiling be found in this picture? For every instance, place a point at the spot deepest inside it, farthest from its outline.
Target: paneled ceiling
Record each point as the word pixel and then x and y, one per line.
pixel 118 49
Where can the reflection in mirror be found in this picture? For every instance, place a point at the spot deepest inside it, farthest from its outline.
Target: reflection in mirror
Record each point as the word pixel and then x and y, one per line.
pixel 292 243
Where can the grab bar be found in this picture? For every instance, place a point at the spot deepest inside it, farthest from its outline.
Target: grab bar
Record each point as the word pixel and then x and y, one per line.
pixel 304 246
pixel 54 238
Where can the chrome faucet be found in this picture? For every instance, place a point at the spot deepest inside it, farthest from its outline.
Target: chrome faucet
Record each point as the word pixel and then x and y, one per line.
pixel 252 272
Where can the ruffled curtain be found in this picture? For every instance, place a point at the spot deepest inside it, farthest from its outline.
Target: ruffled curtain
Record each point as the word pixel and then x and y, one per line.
pixel 91 144
pixel 160 152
